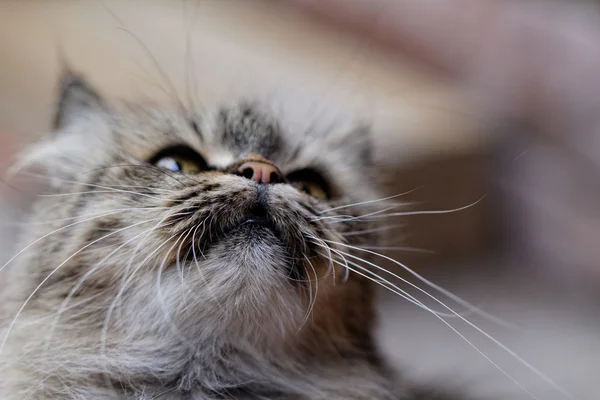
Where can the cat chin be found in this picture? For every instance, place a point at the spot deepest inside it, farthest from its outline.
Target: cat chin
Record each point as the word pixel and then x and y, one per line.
pixel 250 261
pixel 254 248
pixel 233 298
pixel 241 286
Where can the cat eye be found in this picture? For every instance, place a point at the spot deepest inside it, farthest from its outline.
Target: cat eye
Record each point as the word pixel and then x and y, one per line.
pixel 180 159
pixel 311 182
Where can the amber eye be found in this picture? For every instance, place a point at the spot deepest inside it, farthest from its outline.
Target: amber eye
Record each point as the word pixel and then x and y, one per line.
pixel 310 182
pixel 180 159
pixel 313 189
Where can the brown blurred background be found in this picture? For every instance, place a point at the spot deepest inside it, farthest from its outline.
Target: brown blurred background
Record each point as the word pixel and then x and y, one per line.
pixel 527 252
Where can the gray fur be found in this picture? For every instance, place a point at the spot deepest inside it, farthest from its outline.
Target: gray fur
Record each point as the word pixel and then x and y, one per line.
pixel 219 317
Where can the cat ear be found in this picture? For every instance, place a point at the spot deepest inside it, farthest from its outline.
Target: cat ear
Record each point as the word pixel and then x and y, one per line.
pixel 82 121
pixel 361 137
pixel 77 102
pixel 357 143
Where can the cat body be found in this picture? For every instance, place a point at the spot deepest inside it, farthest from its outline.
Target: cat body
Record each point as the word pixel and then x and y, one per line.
pixel 178 256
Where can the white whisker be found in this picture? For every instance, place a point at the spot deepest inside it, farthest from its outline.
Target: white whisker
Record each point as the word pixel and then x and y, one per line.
pixel 158 284
pixel 369 201
pixel 53 272
pixel 383 282
pixel 104 186
pixel 419 304
pixel 107 189
pixel 53 221
pixel 61 229
pixel 433 212
pixel 180 268
pixel 126 279
pixel 111 191
pixel 109 312
pixel 445 292
pixel 372 230
pixel 92 270
pixel 331 266
pixel 400 248
pixel 470 307
pixel 312 299
pixel 353 218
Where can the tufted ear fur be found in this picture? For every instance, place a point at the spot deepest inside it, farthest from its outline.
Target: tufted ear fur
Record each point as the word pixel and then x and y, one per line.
pixel 77 102
pixel 82 122
pixel 361 139
pixel 357 143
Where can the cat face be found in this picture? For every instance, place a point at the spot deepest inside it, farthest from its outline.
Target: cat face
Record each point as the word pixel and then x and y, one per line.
pixel 174 227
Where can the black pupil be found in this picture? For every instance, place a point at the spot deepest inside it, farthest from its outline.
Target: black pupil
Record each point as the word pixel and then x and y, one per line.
pixel 178 166
pixel 248 173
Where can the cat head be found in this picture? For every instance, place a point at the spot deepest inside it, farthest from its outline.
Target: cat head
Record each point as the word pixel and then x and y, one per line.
pixel 174 226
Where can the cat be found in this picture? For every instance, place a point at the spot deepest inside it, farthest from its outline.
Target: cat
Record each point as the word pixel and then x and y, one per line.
pixel 208 255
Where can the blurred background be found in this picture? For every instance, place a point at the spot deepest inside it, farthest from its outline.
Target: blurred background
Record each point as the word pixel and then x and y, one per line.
pixel 468 98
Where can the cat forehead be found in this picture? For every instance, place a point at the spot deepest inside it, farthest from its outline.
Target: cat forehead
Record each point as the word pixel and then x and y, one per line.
pixel 247 129
pixel 229 131
pixel 253 128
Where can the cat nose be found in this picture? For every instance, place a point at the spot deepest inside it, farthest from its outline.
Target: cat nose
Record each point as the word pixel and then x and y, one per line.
pixel 260 172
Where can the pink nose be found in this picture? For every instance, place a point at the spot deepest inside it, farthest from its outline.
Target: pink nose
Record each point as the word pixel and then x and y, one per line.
pixel 260 172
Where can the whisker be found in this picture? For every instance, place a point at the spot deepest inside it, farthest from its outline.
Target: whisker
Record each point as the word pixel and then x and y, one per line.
pixel 112 191
pixel 53 272
pixel 163 75
pixel 445 292
pixel 369 201
pixel 195 258
pixel 108 189
pixel 154 168
pixel 191 82
pixel 331 266
pixel 312 299
pixel 346 269
pixel 433 212
pixel 378 215
pixel 158 285
pixel 469 306
pixel 179 267
pixel 400 248
pixel 194 241
pixel 419 304
pixel 124 285
pixel 161 72
pixel 352 218
pixel 94 268
pixel 383 282
pixel 124 282
pixel 83 183
pixel 372 230
pixel 53 221
pixel 138 246
pixel 58 230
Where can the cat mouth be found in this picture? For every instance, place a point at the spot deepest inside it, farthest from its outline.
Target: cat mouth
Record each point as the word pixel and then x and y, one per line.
pixel 255 219
pixel 255 222
pixel 251 224
pixel 254 225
